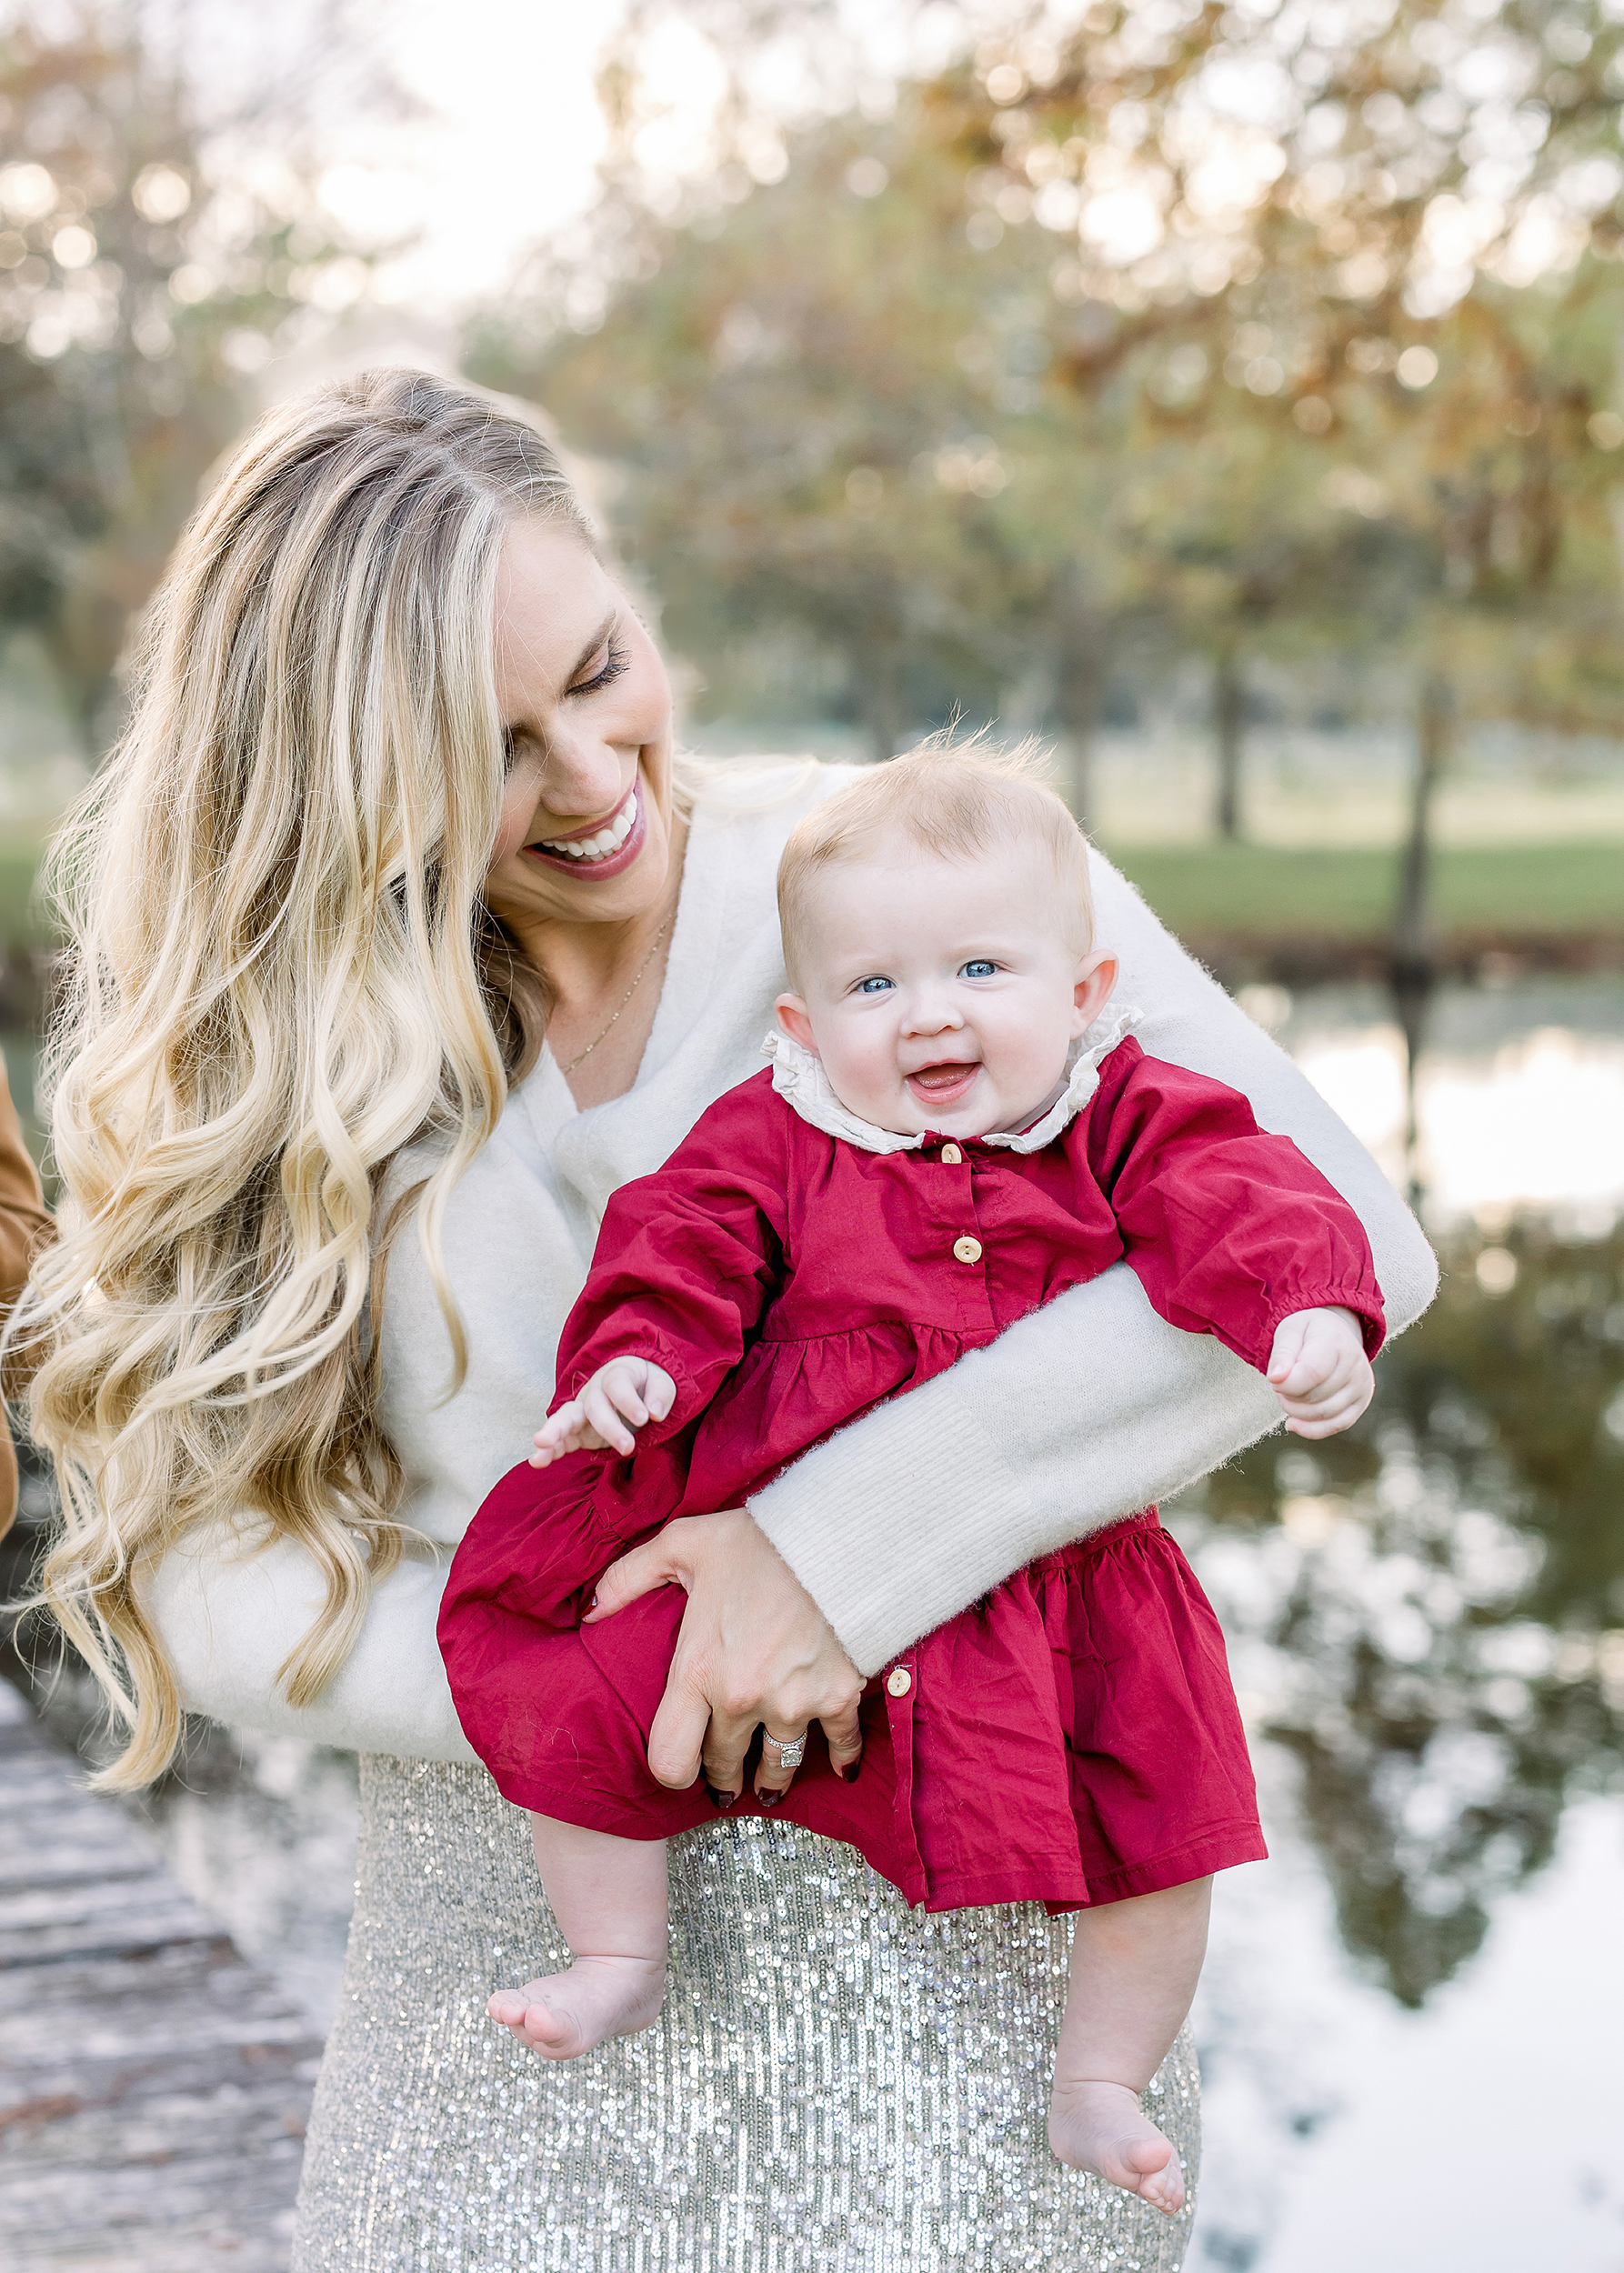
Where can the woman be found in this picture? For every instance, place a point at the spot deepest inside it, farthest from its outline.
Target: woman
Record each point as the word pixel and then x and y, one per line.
pixel 398 799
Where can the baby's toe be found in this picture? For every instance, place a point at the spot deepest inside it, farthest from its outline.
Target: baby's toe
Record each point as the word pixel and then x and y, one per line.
pixel 1154 2167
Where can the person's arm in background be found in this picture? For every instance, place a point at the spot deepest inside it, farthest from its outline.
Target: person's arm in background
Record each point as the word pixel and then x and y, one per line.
pixel 24 1226
pixel 1093 1406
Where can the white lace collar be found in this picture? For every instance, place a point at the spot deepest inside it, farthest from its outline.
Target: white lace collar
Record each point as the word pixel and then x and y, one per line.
pixel 800 1080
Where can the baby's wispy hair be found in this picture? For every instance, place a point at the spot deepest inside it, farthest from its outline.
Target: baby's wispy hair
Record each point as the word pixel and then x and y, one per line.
pixel 954 803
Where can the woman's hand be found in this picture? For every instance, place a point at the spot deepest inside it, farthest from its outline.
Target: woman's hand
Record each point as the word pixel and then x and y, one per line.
pixel 754 1649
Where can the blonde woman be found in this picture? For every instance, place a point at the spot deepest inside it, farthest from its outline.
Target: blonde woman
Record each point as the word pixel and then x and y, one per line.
pixel 401 942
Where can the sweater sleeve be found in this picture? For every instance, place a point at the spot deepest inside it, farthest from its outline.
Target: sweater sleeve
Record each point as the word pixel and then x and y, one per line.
pixel 1093 1406
pixel 1229 1229
pixel 687 1257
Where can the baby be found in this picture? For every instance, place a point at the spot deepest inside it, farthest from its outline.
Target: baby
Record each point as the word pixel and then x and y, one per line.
pixel 950 1133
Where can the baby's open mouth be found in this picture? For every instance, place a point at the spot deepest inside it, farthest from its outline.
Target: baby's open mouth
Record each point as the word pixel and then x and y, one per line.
pixel 947 1083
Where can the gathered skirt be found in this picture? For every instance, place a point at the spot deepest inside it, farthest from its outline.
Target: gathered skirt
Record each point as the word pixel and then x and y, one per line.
pixel 838 2083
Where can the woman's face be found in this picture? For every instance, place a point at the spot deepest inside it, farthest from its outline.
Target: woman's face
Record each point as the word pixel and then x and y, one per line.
pixel 587 709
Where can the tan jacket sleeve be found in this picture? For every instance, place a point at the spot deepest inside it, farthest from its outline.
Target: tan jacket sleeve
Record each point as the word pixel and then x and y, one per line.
pixel 24 1226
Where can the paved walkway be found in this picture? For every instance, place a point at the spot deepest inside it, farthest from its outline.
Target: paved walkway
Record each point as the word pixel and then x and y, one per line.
pixel 154 2086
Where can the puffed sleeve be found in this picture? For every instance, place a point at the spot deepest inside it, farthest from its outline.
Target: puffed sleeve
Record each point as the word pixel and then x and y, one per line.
pixel 687 1257
pixel 1229 1229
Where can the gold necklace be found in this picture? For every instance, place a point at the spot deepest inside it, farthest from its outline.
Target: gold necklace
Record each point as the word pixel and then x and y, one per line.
pixel 642 971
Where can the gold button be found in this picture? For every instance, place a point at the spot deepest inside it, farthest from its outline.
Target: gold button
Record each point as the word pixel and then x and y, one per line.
pixel 899 1680
pixel 967 1250
pixel 952 1155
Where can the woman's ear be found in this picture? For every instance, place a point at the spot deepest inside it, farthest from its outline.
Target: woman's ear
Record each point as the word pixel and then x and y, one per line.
pixel 1096 978
pixel 791 1012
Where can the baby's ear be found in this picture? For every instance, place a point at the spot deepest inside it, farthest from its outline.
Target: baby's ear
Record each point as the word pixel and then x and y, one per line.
pixel 1096 981
pixel 791 1013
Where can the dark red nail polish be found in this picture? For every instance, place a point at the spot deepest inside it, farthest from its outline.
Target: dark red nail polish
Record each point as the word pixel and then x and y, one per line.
pixel 769 1799
pixel 849 1775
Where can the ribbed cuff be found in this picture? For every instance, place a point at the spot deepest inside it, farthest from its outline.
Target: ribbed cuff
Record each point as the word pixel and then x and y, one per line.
pixel 826 1516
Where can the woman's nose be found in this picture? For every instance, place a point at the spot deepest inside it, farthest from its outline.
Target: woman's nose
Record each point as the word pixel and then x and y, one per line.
pixel 583 777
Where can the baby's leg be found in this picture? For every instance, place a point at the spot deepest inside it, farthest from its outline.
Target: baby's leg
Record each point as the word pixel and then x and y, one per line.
pixel 1133 1969
pixel 609 1896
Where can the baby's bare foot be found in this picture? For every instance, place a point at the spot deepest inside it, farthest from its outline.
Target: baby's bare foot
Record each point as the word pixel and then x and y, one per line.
pixel 566 2014
pixel 1099 2127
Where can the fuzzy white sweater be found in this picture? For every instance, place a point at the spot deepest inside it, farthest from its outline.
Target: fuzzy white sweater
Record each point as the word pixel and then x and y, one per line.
pixel 1089 1408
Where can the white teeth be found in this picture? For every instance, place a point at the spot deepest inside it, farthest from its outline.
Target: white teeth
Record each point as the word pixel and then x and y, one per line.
pixel 607 840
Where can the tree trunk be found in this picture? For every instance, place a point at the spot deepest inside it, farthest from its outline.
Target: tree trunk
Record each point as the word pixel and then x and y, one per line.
pixel 1229 720
pixel 1414 963
pixel 1079 685
pixel 879 675
pixel 1413 941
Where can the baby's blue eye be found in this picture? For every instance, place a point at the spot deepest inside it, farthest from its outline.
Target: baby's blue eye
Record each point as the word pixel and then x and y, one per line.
pixel 980 967
pixel 872 985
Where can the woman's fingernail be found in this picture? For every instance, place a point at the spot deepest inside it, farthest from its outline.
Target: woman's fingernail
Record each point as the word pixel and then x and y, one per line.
pixel 849 1775
pixel 769 1799
pixel 722 1798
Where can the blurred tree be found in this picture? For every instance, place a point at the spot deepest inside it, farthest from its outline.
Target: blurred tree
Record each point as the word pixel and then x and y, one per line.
pixel 1336 291
pixel 1393 235
pixel 140 285
pixel 824 403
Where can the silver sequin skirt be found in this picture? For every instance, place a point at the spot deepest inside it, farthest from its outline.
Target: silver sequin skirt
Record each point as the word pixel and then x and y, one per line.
pixel 838 2083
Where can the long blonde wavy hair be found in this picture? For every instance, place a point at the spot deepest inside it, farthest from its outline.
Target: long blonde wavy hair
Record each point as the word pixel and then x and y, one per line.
pixel 280 971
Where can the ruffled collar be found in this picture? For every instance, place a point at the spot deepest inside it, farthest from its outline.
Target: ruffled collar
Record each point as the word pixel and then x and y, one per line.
pixel 800 1080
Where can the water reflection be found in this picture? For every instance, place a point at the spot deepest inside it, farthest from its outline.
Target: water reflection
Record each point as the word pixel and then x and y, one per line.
pixel 1518 1099
pixel 1429 1613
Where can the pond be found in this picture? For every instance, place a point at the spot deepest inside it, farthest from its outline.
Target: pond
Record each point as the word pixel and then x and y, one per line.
pixel 1409 2020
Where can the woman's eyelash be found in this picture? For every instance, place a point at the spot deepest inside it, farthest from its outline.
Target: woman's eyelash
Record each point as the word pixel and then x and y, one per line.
pixel 615 663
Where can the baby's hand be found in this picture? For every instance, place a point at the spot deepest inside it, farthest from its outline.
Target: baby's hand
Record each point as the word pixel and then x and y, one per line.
pixel 1318 1370
pixel 626 1394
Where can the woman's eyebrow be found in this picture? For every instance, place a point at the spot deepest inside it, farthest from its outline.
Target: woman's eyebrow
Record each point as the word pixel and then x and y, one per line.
pixel 592 647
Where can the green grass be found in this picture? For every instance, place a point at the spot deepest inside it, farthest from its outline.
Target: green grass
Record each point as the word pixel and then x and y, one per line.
pixel 1272 890
pixel 1260 890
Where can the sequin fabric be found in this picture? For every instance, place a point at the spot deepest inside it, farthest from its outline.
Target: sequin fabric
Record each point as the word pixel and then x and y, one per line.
pixel 838 2083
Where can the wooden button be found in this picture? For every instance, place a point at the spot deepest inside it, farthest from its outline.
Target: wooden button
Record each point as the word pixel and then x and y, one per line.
pixel 967 1250
pixel 899 1680
pixel 951 1156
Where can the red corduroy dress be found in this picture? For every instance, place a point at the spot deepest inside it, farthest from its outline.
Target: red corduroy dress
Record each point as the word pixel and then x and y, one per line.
pixel 1071 1739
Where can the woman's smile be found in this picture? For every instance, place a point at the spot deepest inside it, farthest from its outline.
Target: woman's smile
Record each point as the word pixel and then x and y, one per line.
pixel 601 848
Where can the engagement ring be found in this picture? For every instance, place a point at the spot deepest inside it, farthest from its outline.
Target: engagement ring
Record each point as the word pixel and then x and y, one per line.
pixel 791 1750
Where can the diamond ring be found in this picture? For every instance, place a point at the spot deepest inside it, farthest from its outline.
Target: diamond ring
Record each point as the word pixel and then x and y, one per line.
pixel 791 1750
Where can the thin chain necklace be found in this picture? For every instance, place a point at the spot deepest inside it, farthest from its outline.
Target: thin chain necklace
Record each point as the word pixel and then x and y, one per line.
pixel 582 1056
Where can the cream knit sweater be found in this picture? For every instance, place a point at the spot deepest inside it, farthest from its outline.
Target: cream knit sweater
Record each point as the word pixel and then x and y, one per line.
pixel 1089 1408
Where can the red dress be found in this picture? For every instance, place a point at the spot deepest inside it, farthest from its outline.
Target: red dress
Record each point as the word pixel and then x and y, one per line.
pixel 1073 1736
